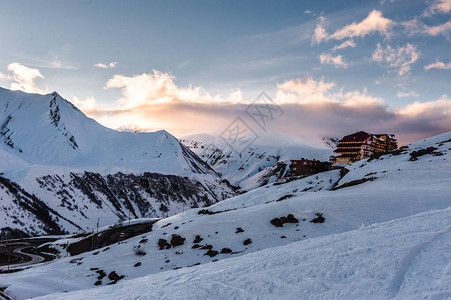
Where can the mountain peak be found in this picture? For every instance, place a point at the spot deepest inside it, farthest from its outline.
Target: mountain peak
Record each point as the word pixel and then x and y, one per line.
pixel 49 130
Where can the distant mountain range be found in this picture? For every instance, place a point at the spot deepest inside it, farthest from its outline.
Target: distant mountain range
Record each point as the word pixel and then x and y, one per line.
pixel 257 165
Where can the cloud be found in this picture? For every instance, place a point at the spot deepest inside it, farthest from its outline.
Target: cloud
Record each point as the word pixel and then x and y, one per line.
pixel 320 33
pixel 399 59
pixel 24 78
pixel 312 109
pixel 407 94
pixel 158 86
pixel 307 12
pixel 3 76
pixel 373 23
pixel 417 27
pixel 89 105
pixel 56 64
pixel 312 92
pixel 437 7
pixel 302 90
pixel 184 64
pixel 441 106
pixel 345 44
pixel 337 61
pixel 442 29
pixel 438 65
pixel 50 64
pixel 111 65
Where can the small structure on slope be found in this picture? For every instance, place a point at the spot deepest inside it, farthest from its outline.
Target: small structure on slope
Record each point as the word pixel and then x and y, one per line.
pixel 304 167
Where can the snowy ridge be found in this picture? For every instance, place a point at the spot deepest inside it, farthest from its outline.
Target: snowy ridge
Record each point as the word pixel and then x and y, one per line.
pixel 256 165
pixel 48 130
pixel 337 228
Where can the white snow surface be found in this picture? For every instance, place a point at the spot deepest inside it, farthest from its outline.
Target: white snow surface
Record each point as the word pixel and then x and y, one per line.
pixel 408 258
pixel 388 237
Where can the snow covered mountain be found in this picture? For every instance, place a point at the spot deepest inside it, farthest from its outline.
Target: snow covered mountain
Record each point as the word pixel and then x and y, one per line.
pixel 60 171
pixel 379 230
pixel 48 130
pixel 257 165
pixel 331 142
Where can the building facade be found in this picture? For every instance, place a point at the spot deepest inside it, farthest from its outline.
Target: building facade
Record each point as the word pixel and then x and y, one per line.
pixel 362 145
pixel 304 167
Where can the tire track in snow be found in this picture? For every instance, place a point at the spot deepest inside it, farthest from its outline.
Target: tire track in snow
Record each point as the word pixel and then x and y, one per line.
pixel 408 260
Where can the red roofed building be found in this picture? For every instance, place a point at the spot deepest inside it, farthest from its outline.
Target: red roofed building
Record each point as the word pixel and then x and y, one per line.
pixel 304 167
pixel 361 145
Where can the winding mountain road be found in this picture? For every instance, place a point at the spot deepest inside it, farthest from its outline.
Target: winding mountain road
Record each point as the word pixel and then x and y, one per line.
pixel 18 256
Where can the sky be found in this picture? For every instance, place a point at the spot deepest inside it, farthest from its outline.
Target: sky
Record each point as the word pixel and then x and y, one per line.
pixel 329 68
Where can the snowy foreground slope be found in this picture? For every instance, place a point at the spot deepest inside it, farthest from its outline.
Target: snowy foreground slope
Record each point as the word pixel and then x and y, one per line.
pixel 257 165
pixel 61 171
pixel 381 230
pixel 404 259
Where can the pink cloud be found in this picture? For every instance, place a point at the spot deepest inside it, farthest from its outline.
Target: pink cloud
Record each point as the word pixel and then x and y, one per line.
pixel 374 22
pixel 311 109
pixel 398 59
pixel 438 65
pixel 438 6
pixel 25 78
pixel 337 61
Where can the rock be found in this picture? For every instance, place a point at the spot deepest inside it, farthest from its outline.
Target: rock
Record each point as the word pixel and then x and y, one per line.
pixel 212 253
pixel 101 273
pixel 247 242
pixel 177 240
pixel 163 244
pixel 197 239
pixel 114 277
pixel 278 222
pixel 319 218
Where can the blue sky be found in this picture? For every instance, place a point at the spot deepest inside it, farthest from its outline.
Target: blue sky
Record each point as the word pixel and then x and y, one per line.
pixel 397 53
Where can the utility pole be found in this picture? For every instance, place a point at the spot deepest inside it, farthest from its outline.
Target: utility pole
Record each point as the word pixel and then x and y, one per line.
pixel 9 254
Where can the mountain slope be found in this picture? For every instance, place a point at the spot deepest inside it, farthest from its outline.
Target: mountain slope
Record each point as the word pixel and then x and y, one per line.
pixel 305 215
pixel 83 171
pixel 257 165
